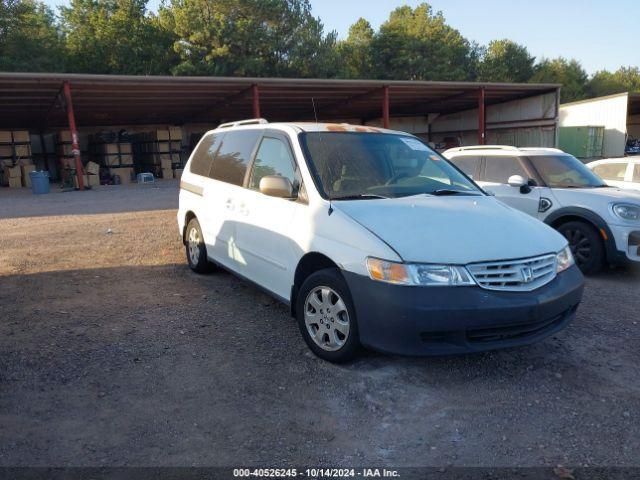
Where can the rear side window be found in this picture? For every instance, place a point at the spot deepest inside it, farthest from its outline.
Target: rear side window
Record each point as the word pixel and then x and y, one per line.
pixel 203 155
pixel 636 173
pixel 230 163
pixel 273 158
pixel 468 164
pixel 499 169
pixel 611 171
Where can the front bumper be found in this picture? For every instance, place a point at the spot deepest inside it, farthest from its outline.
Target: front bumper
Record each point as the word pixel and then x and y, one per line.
pixel 627 240
pixel 451 320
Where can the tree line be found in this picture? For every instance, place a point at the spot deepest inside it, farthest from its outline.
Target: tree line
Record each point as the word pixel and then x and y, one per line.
pixel 272 38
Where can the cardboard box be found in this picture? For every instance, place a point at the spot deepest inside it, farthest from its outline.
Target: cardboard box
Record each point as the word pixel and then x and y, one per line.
pixel 92 168
pixel 24 161
pixel 15 182
pixel 175 133
pixel 123 172
pixel 167 173
pixel 92 180
pixel 20 136
pixel 6 151
pixel 177 173
pixel 115 148
pixel 64 136
pixel 88 180
pixel 23 150
pixel 165 163
pixel 6 137
pixel 12 172
pixel 65 149
pixel 26 179
pixel 162 135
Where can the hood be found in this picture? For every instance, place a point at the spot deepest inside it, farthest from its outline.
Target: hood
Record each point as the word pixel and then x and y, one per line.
pixel 572 196
pixel 455 230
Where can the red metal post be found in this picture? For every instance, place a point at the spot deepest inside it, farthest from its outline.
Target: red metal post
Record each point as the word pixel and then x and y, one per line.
pixel 385 106
pixel 482 131
pixel 75 147
pixel 256 101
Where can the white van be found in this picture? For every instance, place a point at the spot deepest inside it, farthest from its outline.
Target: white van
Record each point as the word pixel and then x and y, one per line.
pixel 373 239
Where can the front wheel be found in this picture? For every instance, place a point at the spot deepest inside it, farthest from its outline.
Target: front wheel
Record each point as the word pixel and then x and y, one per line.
pixel 585 244
pixel 326 316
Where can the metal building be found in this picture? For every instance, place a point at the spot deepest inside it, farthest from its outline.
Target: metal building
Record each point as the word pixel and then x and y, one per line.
pixel 445 113
pixel 619 115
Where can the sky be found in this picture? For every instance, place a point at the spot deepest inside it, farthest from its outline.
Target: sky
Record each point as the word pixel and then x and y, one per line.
pixel 600 34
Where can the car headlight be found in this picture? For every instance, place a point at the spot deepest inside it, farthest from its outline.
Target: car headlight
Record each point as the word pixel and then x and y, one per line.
pixel 626 211
pixel 564 260
pixel 419 274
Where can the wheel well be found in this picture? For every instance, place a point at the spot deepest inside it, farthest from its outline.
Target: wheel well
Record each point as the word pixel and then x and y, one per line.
pixel 187 218
pixel 310 263
pixel 602 235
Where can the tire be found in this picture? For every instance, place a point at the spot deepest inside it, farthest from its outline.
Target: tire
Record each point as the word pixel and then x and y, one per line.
pixel 341 341
pixel 586 245
pixel 195 248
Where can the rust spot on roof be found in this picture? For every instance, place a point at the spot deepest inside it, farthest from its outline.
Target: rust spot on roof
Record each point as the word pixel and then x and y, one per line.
pixel 362 129
pixel 336 128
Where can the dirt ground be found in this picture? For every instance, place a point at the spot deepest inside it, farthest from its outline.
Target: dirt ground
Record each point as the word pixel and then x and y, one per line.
pixel 113 353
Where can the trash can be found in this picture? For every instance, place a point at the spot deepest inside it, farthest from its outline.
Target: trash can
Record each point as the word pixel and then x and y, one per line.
pixel 39 182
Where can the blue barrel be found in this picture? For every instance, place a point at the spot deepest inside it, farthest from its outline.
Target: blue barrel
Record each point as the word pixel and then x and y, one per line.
pixel 39 182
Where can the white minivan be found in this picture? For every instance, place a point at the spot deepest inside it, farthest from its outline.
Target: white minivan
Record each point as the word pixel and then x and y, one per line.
pixel 373 239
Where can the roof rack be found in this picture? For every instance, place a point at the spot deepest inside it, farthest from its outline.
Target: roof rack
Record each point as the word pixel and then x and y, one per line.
pixel 543 149
pixel 484 147
pixel 251 121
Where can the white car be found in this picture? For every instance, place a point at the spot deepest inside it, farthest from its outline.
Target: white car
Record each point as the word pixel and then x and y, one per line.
pixel 602 223
pixel 373 239
pixel 619 172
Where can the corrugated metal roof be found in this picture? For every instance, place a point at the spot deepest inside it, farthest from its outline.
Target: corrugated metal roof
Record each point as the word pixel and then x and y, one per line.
pixel 29 99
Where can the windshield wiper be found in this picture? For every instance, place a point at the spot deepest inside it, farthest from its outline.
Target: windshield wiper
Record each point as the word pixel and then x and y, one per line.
pixel 361 196
pixel 447 191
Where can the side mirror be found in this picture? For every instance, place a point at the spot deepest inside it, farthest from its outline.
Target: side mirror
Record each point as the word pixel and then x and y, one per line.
pixel 276 186
pixel 517 181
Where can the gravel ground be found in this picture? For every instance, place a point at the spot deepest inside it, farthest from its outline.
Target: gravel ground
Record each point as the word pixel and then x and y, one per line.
pixel 113 353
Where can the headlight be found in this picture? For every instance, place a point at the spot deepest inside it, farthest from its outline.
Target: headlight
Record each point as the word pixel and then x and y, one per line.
pixel 418 273
pixel 626 211
pixel 564 260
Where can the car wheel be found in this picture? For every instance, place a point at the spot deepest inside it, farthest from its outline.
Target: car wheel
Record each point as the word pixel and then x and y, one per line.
pixel 195 248
pixel 326 316
pixel 585 244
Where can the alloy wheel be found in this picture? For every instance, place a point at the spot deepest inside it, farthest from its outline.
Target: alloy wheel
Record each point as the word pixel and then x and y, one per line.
pixel 326 318
pixel 193 242
pixel 580 245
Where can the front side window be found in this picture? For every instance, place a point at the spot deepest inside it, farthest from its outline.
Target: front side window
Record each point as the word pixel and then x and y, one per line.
pixel 273 158
pixel 636 173
pixel 231 161
pixel 499 169
pixel 364 165
pixel 611 171
pixel 565 171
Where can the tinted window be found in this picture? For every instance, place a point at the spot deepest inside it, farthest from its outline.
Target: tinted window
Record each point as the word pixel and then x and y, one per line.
pixel 354 164
pixel 565 171
pixel 204 153
pixel 230 164
pixel 467 164
pixel 636 173
pixel 611 171
pixel 273 158
pixel 499 169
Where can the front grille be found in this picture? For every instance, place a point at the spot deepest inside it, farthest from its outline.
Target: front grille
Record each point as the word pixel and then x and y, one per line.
pixel 515 275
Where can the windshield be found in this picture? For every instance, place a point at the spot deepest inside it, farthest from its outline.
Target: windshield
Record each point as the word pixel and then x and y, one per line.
pixel 351 165
pixel 565 171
